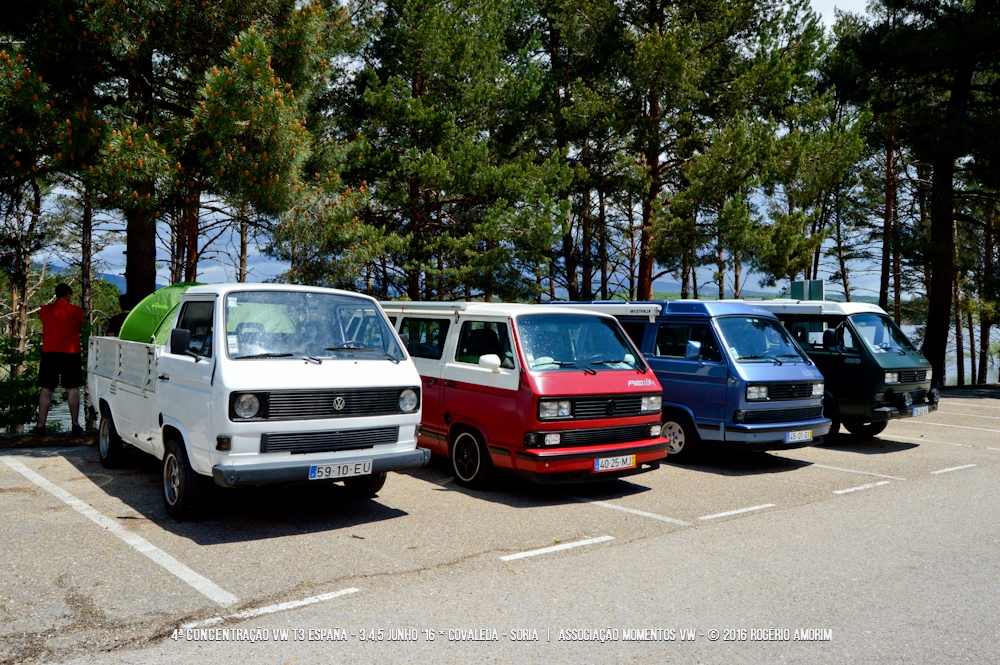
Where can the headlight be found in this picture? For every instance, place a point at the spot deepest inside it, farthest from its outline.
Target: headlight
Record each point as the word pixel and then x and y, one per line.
pixel 817 390
pixel 891 377
pixel 652 403
pixel 552 408
pixel 930 375
pixel 756 392
pixel 408 400
pixel 247 405
pixel 552 439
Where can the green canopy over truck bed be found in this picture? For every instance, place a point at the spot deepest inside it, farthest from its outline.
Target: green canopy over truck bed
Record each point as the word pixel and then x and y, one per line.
pixel 148 322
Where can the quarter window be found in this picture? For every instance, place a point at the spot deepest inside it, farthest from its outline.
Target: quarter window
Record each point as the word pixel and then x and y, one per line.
pixel 424 338
pixel 482 338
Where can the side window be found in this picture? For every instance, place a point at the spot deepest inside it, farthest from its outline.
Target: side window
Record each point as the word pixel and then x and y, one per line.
pixel 808 332
pixel 482 338
pixel 424 338
pixel 197 317
pixel 635 330
pixel 672 339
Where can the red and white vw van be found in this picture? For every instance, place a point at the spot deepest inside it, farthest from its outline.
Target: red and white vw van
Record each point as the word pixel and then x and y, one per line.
pixel 549 393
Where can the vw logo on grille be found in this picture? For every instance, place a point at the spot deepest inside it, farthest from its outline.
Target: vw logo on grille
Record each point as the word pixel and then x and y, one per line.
pixel 339 403
pixel 610 407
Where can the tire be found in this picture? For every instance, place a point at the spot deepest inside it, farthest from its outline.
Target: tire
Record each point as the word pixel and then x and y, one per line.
pixel 470 460
pixel 864 430
pixel 184 489
pixel 365 487
pixel 112 450
pixel 834 433
pixel 685 444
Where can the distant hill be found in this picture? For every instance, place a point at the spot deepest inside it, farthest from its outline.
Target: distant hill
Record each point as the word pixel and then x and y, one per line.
pixel 117 280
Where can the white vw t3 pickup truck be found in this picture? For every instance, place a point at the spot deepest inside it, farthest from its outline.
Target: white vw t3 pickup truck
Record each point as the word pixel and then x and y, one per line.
pixel 250 384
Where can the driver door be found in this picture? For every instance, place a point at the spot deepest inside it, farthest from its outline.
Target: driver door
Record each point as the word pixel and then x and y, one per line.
pixel 185 381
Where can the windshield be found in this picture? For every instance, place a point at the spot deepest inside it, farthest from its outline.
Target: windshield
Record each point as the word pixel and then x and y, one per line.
pixel 755 339
pixel 881 335
pixel 574 342
pixel 289 324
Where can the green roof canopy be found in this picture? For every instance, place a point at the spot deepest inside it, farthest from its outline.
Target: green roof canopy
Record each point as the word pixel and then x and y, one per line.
pixel 145 323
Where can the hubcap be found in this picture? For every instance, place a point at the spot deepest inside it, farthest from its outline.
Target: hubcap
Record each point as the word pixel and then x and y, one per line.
pixel 675 432
pixel 466 457
pixel 104 439
pixel 171 479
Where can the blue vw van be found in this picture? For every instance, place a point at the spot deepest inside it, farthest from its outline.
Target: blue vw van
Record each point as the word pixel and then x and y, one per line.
pixel 732 376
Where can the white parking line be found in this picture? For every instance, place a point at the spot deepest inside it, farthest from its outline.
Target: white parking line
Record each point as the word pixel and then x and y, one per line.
pixel 737 511
pixel 954 468
pixel 972 406
pixel 947 443
pixel 861 487
pixel 914 421
pixel 970 415
pixel 641 513
pixel 863 473
pixel 557 548
pixel 271 609
pixel 202 585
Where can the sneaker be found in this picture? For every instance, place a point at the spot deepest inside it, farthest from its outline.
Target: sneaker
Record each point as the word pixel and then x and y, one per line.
pixel 77 430
pixel 38 429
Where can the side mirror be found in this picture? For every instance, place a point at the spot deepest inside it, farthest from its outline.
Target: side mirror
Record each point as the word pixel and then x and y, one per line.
pixel 490 361
pixel 180 341
pixel 693 351
pixel 830 339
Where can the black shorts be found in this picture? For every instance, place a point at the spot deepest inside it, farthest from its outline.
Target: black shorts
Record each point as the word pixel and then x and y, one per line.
pixel 55 365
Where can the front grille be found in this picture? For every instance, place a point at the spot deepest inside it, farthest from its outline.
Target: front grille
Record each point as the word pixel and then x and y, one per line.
pixel 783 415
pixel 325 442
pixel 315 404
pixel 913 376
pixel 789 390
pixel 604 406
pixel 596 437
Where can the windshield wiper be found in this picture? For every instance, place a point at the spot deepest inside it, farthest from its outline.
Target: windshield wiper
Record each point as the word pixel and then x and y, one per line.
pixel 567 363
pixel 364 349
pixel 616 362
pixel 778 362
pixel 266 355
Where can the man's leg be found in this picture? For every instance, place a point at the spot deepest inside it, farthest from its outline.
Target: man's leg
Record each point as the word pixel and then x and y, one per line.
pixel 44 403
pixel 73 395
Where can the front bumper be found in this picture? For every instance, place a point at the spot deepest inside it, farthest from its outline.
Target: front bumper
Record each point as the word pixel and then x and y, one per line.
pixel 576 465
pixel 887 413
pixel 771 436
pixel 287 471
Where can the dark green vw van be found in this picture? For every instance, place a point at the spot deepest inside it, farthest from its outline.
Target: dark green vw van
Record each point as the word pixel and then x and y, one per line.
pixel 873 373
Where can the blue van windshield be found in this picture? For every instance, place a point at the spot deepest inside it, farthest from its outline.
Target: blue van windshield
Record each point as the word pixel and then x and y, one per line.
pixel 757 339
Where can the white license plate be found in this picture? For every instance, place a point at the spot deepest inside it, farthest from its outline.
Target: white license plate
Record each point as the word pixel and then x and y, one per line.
pixel 921 410
pixel 804 435
pixel 613 463
pixel 335 471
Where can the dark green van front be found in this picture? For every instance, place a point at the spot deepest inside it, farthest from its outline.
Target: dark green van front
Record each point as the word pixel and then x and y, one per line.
pixel 873 373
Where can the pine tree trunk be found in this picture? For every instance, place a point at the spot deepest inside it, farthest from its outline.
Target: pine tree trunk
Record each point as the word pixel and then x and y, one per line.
pixel 86 254
pixel 988 296
pixel 244 228
pixel 603 244
pixel 972 345
pixel 959 351
pixel 192 210
pixel 720 264
pixel 586 222
pixel 140 248
pixel 942 264
pixel 887 217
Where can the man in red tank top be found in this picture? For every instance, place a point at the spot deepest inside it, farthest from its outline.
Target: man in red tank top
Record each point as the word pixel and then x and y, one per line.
pixel 62 322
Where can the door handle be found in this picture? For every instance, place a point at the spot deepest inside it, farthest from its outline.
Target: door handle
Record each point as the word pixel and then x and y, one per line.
pixel 450 384
pixel 432 382
pixel 163 377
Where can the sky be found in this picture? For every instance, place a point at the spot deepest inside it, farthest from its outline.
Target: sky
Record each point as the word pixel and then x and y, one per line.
pixel 263 268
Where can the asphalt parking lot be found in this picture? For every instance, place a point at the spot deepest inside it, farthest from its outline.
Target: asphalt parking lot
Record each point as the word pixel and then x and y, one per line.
pixel 891 544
